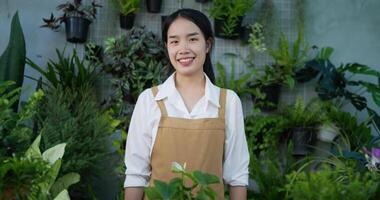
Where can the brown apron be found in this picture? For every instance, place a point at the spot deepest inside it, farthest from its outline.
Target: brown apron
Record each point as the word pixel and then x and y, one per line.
pixel 197 142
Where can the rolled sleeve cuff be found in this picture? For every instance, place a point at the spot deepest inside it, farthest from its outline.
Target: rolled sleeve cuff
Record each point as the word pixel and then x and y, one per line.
pixel 241 180
pixel 135 181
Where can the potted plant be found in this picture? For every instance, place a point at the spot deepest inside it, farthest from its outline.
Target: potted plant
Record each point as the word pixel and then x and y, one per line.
pixel 228 16
pixel 202 1
pixel 127 9
pixel 153 6
pixel 282 72
pixel 302 122
pixel 136 61
pixel 77 19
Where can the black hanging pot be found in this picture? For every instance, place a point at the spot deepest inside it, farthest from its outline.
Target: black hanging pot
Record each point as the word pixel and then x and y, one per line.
pixel 153 6
pixel 127 21
pixel 303 139
pixel 76 29
pixel 202 1
pixel 272 97
pixel 219 28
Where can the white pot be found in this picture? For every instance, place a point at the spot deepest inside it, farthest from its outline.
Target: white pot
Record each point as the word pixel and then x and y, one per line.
pixel 327 132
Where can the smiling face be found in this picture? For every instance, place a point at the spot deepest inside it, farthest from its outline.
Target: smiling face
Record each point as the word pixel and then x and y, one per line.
pixel 187 47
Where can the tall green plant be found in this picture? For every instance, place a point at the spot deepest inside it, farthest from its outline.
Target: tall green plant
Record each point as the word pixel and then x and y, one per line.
pixel 73 116
pixel 12 61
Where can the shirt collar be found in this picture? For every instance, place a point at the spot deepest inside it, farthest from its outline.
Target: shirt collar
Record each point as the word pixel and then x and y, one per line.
pixel 167 89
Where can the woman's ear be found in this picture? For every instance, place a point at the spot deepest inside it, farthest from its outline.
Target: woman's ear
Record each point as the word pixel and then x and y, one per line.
pixel 208 45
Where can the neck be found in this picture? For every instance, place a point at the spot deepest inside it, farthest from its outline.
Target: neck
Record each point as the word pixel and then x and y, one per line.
pixel 187 82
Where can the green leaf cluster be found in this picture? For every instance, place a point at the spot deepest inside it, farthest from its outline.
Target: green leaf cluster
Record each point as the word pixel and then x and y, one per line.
pixel 34 175
pixel 239 84
pixel 176 188
pixel 15 134
pixel 127 6
pixel 137 61
pixel 68 71
pixel 330 184
pixel 230 11
pixel 263 132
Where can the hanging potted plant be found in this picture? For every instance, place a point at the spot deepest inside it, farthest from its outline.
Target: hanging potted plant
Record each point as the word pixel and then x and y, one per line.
pixel 303 121
pixel 153 6
pixel 77 19
pixel 128 10
pixel 228 16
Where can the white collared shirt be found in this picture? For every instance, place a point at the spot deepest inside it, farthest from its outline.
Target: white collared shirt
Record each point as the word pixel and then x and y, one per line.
pixel 144 125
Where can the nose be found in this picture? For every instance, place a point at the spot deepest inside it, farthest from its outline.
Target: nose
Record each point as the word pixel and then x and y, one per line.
pixel 184 48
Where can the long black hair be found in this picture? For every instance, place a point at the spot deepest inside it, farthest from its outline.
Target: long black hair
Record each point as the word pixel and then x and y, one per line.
pixel 201 20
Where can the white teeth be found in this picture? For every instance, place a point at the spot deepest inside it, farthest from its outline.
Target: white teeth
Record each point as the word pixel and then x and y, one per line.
pixel 185 59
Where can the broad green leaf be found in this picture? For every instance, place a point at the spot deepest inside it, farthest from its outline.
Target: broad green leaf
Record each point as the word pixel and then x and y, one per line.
pixel 64 182
pixel 152 193
pixel 34 150
pixel 164 189
pixel 64 195
pixel 12 61
pixel 54 153
pixel 204 178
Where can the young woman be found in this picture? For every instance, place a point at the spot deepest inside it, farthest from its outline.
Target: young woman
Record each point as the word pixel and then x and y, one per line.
pixel 187 119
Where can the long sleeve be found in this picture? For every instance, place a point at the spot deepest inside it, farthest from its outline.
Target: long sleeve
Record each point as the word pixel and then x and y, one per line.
pixel 236 155
pixel 137 153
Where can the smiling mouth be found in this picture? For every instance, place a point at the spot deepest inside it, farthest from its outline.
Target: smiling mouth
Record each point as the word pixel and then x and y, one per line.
pixel 186 61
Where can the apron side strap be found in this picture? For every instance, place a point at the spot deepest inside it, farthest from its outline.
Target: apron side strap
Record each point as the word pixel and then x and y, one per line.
pixel 160 103
pixel 222 103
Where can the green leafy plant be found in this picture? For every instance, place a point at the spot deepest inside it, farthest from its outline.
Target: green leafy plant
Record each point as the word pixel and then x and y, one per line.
pixel 287 61
pixel 34 175
pixel 136 61
pixel 336 83
pixel 301 114
pixel 269 171
pixel 73 116
pixel 330 184
pixel 127 6
pixel 264 132
pixel 238 84
pixel 72 9
pixel 230 11
pixel 15 134
pixel 176 189
pixel 68 72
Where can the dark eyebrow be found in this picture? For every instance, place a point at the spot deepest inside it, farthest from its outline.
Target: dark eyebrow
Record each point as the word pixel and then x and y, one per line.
pixel 188 35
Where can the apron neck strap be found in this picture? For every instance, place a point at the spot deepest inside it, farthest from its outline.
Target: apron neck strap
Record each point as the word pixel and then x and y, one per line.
pixel 160 103
pixel 222 102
